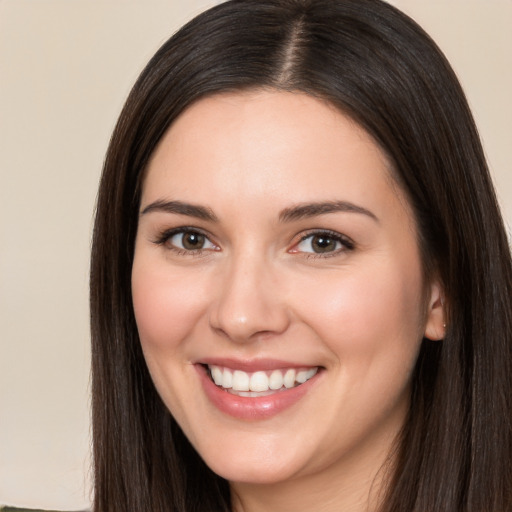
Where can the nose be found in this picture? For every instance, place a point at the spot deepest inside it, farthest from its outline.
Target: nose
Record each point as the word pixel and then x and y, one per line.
pixel 250 303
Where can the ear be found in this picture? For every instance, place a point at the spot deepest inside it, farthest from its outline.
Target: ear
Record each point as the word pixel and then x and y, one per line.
pixel 435 326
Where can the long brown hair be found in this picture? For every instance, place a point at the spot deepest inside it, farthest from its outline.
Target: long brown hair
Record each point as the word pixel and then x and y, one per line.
pixel 380 68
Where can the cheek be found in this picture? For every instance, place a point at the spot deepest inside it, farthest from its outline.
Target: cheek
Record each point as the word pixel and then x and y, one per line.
pixel 362 313
pixel 167 305
pixel 371 323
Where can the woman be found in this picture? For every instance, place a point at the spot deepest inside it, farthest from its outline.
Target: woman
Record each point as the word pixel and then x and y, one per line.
pixel 300 282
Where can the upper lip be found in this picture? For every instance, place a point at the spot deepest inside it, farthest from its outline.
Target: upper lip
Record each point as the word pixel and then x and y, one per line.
pixel 252 365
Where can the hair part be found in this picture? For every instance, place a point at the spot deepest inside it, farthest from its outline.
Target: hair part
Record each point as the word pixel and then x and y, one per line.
pixel 290 54
pixel 377 66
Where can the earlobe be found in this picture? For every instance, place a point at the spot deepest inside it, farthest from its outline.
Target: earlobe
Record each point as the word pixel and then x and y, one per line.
pixel 435 326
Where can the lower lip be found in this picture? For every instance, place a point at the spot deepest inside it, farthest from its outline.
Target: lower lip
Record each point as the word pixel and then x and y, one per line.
pixel 252 408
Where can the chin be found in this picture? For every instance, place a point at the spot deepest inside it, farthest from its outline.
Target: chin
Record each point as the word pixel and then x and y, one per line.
pixel 260 463
pixel 260 473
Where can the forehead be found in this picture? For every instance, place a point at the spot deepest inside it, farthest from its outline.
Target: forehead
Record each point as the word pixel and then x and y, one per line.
pixel 247 146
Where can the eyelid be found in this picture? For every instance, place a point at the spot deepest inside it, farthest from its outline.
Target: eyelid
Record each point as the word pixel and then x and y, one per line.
pixel 167 234
pixel 346 242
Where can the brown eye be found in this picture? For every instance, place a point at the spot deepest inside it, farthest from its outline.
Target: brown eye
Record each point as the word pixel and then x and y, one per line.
pixel 324 242
pixel 190 241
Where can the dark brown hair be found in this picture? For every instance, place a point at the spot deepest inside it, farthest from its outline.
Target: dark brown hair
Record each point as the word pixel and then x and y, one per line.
pixel 380 68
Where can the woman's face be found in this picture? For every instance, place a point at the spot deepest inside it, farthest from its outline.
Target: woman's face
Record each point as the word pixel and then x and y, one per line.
pixel 276 253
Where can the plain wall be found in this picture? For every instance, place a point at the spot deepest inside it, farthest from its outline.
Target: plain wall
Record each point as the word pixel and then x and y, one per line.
pixel 66 67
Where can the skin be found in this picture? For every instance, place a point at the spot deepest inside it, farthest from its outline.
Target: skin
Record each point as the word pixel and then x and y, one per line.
pixel 258 289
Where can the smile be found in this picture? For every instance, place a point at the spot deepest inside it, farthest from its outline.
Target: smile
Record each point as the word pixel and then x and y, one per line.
pixel 260 391
pixel 259 383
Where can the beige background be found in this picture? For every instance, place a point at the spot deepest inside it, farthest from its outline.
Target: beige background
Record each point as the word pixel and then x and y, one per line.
pixel 65 68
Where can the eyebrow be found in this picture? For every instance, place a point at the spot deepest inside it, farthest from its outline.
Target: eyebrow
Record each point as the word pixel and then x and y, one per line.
pixel 303 211
pixel 180 208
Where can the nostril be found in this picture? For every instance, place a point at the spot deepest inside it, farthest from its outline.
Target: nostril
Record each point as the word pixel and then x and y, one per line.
pixel 249 322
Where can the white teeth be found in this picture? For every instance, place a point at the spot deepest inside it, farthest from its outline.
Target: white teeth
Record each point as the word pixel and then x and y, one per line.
pixel 217 375
pixel 227 379
pixel 276 380
pixel 305 375
pixel 259 383
pixel 289 378
pixel 302 376
pixel 250 393
pixel 240 381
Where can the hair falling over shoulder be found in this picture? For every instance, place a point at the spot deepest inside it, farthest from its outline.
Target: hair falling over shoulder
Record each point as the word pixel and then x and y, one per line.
pixel 378 67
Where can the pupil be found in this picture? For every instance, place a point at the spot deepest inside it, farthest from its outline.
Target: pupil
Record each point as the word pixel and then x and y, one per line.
pixel 323 244
pixel 193 241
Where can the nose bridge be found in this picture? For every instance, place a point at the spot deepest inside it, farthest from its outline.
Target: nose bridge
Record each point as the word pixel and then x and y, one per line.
pixel 249 301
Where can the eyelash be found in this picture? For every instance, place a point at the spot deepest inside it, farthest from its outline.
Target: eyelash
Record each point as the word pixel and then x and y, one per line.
pixel 166 235
pixel 346 243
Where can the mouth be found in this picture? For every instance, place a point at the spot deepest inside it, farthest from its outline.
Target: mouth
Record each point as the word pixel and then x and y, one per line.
pixel 259 383
pixel 257 390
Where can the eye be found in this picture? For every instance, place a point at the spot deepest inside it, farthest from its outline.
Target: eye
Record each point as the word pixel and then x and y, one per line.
pixel 324 242
pixel 186 240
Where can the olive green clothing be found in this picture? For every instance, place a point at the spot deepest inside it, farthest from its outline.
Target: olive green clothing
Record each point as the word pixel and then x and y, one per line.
pixel 14 509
